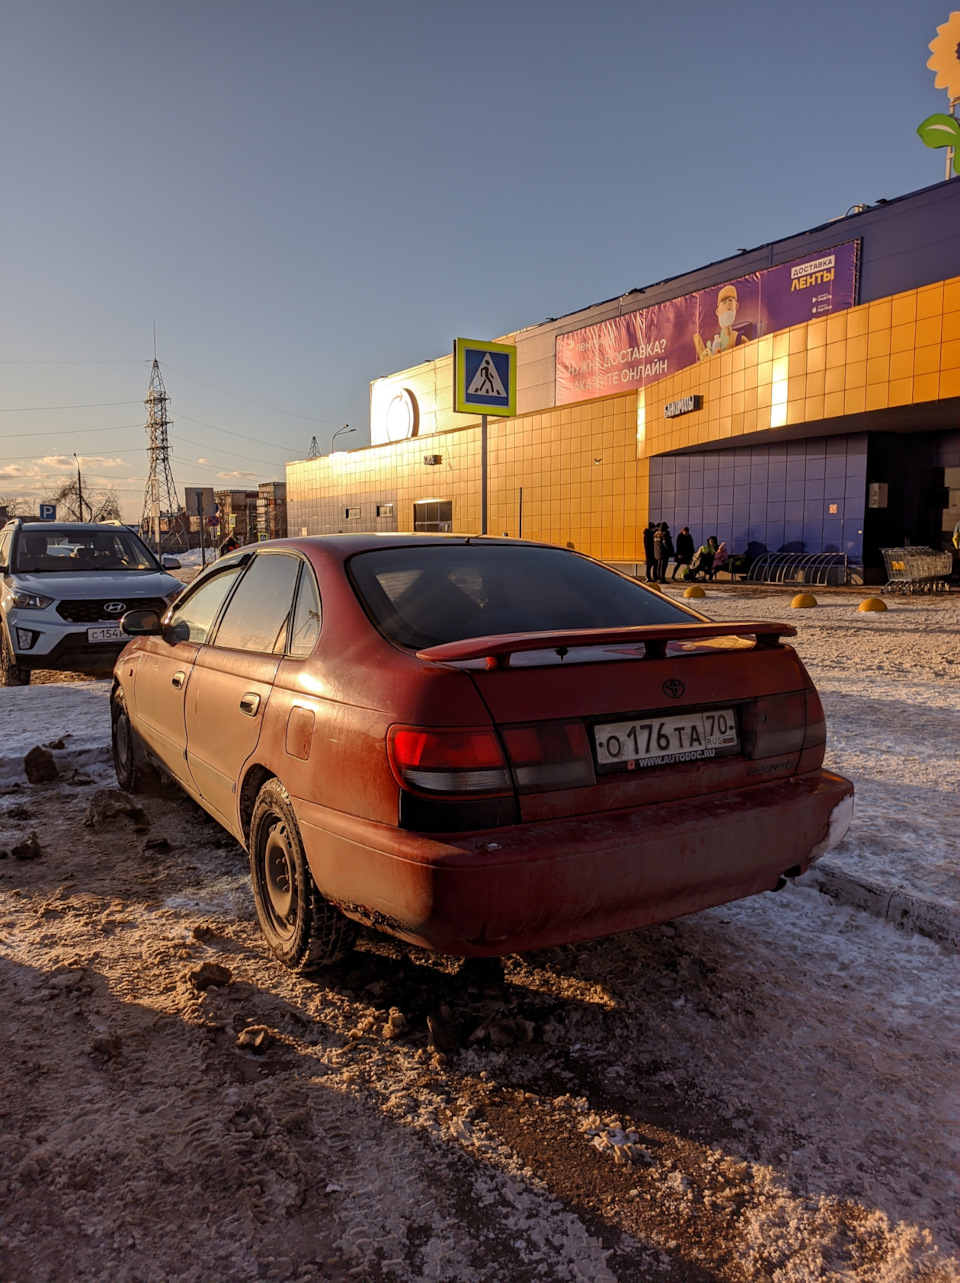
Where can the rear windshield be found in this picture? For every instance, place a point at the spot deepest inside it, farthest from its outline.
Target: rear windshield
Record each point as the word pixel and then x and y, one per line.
pixel 59 548
pixel 424 596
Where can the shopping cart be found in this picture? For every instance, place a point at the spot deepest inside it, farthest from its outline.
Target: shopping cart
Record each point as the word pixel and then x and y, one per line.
pixel 916 570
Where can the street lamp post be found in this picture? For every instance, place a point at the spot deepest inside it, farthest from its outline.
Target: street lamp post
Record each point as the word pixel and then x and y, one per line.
pixel 346 428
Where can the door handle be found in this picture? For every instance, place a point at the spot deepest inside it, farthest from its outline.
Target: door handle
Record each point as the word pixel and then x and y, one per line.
pixel 250 703
pixel 178 679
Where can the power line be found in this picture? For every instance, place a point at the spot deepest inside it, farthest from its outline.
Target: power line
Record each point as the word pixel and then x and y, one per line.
pixel 230 432
pixel 138 361
pixel 93 405
pixel 234 454
pixel 310 418
pixel 70 432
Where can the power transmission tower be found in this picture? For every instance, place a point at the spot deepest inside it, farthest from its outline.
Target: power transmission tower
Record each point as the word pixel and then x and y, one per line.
pixel 314 451
pixel 163 517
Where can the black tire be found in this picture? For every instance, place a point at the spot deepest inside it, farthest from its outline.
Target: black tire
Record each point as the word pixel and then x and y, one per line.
pixel 132 775
pixel 303 930
pixel 11 674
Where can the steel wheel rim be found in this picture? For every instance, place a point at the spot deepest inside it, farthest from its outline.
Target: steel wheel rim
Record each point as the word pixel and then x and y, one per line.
pixel 277 876
pixel 123 743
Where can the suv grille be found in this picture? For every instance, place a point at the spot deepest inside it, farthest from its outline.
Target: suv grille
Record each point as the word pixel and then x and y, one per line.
pixel 92 612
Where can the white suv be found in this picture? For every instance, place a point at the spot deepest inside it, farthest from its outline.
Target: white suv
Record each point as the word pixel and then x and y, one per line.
pixel 63 588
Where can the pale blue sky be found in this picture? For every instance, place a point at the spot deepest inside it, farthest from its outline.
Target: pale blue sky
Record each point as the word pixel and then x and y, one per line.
pixel 304 196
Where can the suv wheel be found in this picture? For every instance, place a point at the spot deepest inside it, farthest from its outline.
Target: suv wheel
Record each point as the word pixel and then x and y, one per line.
pixel 11 674
pixel 303 929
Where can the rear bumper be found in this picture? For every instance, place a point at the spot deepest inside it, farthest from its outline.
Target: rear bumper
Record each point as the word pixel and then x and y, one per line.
pixel 531 886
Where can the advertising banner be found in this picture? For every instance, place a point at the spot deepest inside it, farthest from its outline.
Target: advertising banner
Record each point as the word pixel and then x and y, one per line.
pixel 636 349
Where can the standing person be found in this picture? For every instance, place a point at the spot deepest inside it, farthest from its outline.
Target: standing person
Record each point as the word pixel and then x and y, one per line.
pixel 684 551
pixel 230 544
pixel 648 551
pixel 663 550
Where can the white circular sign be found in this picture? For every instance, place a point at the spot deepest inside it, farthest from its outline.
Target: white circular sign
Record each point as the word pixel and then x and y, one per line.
pixel 402 417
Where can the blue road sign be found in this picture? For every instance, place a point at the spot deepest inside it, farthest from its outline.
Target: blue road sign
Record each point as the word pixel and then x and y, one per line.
pixel 485 378
pixel 48 512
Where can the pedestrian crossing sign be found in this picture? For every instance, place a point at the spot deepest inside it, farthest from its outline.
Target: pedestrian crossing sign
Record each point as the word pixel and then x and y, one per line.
pixel 485 378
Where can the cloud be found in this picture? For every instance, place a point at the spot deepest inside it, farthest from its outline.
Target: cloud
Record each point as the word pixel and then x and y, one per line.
pixel 239 476
pixel 203 461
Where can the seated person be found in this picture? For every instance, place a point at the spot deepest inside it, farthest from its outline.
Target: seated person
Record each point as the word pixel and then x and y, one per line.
pixel 33 554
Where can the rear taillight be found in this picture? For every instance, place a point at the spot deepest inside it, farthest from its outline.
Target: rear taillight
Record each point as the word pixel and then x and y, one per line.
pixel 816 728
pixel 774 725
pixel 815 735
pixel 549 755
pixel 448 762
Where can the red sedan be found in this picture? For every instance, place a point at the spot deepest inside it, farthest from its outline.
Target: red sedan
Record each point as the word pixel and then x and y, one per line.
pixel 479 745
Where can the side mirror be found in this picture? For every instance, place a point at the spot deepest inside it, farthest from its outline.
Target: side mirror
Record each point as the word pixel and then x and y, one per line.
pixel 169 563
pixel 141 623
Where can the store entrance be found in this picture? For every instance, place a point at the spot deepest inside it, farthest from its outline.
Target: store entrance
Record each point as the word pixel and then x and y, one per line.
pixel 433 516
pixel 908 492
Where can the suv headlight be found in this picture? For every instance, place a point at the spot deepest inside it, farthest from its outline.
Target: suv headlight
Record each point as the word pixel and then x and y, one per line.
pixel 29 600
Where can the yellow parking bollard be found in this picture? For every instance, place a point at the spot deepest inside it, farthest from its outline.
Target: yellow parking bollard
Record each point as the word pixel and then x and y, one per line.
pixel 873 603
pixel 803 600
pixel 694 591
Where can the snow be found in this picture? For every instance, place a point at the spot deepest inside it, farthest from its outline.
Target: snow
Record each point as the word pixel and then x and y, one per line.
pixel 765 1090
pixel 191 558
pixel 890 685
pixel 76 714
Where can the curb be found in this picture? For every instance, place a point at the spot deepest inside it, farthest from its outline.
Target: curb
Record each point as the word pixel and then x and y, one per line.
pixel 908 912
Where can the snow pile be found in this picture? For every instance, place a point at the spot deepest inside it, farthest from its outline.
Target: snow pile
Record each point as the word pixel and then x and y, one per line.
pixel 72 719
pixel 191 558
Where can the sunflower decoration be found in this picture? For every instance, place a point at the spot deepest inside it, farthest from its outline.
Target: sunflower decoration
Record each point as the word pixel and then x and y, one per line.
pixel 945 57
pixel 942 130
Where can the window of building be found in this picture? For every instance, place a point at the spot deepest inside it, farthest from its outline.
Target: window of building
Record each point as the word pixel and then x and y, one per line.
pixel 352 514
pixel 384 509
pixel 433 516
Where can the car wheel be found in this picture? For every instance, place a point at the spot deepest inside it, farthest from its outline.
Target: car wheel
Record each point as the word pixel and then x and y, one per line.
pixel 303 930
pixel 11 674
pixel 132 776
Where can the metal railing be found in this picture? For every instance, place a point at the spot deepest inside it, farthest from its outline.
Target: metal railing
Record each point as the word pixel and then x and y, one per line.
pixel 820 568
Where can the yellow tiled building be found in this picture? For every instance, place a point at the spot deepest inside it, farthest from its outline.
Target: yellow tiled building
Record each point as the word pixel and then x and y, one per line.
pixel 837 434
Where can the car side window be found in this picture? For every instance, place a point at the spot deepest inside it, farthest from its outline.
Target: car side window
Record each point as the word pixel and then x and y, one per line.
pixel 192 618
pixel 5 541
pixel 259 611
pixel 305 628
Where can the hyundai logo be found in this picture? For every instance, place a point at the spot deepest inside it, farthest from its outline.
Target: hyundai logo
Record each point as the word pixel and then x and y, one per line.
pixel 673 687
pixel 114 607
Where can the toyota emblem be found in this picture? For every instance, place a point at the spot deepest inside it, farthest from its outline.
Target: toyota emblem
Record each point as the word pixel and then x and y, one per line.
pixel 114 607
pixel 673 687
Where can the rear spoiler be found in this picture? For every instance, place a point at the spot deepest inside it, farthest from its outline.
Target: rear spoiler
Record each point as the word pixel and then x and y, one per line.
pixel 497 650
